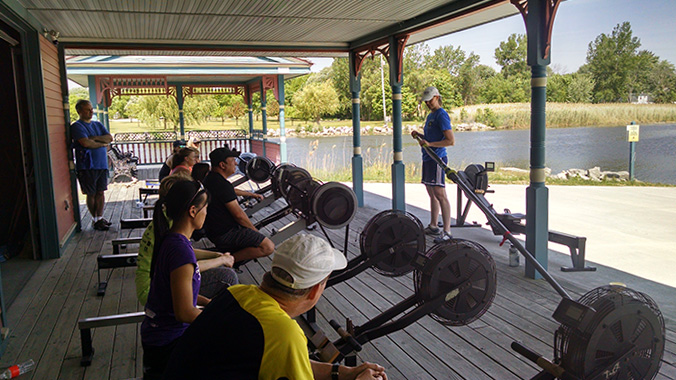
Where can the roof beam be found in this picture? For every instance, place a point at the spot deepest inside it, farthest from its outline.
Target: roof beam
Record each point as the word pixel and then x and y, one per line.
pixel 426 20
pixel 197 47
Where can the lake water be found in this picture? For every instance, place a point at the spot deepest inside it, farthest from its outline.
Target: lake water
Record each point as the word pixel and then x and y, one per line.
pixel 566 148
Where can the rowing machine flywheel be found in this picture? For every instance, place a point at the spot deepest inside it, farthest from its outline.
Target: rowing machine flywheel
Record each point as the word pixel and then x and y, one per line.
pixel 388 229
pixel 289 176
pixel 334 205
pixel 462 265
pixel 243 160
pixel 259 169
pixel 278 173
pixel 624 339
pixel 299 193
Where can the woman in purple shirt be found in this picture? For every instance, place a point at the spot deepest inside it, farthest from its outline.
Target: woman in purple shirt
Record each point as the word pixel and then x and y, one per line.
pixel 175 276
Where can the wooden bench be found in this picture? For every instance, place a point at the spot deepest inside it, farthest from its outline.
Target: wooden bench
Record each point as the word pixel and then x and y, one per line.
pixel 87 324
pixel 122 242
pixel 111 262
pixel 135 223
pixel 576 244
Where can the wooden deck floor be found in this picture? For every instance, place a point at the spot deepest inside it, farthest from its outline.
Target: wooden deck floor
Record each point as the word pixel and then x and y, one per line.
pixel 43 319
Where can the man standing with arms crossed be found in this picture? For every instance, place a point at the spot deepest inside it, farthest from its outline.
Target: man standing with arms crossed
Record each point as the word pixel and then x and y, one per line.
pixel 90 140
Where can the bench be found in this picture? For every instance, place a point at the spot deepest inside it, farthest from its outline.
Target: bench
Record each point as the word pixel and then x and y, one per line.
pixel 135 223
pixel 87 324
pixel 122 242
pixel 576 244
pixel 144 192
pixel 111 262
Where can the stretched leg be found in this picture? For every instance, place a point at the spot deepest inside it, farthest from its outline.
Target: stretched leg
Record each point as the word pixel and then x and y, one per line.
pixel 434 205
pixel 100 199
pixel 442 198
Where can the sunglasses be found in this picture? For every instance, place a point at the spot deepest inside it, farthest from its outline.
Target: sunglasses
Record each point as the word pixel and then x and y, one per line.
pixel 199 192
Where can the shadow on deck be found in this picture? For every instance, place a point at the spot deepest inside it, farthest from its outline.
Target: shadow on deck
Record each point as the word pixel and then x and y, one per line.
pixel 43 318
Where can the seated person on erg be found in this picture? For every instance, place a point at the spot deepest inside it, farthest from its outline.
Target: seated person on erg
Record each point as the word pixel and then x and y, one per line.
pixel 175 275
pixel 166 166
pixel 184 160
pixel 226 225
pixel 248 331
pixel 215 267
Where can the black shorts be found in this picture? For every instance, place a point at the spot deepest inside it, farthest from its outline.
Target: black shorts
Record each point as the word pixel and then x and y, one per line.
pixel 433 174
pixel 237 239
pixel 93 181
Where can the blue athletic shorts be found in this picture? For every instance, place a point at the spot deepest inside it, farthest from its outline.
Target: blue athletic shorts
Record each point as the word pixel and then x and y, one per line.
pixel 433 174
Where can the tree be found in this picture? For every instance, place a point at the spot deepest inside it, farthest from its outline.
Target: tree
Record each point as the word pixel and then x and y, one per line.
pixel 662 80
pixel 74 95
pixel 580 88
pixel 472 78
pixel 499 89
pixel 447 58
pixel 117 107
pixel 235 109
pixel 511 56
pixel 611 60
pixel 315 100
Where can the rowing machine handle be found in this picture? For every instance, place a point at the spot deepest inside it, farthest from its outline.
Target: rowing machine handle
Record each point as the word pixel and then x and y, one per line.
pixel 548 366
pixel 345 335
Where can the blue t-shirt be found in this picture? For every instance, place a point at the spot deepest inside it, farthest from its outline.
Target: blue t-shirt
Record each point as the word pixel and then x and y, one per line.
pixel 160 326
pixel 88 159
pixel 437 122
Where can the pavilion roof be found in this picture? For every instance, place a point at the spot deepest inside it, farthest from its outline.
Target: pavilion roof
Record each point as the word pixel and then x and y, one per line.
pixel 250 27
pixel 186 69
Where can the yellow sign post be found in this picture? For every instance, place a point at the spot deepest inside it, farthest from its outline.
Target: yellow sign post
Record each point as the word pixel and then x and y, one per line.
pixel 632 137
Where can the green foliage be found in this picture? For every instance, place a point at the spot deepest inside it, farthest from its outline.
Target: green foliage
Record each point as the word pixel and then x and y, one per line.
pixel 315 100
pixel 74 95
pixel 499 89
pixel 488 117
pixel 511 56
pixel 117 107
pixel 612 60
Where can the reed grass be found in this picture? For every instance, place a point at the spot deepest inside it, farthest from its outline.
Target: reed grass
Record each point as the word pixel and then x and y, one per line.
pixel 566 115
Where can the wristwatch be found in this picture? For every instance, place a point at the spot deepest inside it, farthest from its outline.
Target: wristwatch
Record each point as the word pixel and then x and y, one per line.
pixel 334 371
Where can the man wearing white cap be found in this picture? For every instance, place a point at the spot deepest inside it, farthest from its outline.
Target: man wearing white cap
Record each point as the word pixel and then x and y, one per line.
pixel 247 332
pixel 438 134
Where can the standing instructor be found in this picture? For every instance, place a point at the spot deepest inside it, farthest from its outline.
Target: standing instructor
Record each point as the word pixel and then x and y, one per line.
pixel 438 134
pixel 90 141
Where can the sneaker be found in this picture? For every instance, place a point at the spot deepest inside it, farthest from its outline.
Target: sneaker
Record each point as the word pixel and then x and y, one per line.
pixel 107 223
pixel 443 237
pixel 101 225
pixel 434 231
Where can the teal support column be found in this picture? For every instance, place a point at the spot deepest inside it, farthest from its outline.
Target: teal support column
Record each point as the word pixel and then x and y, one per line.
pixel 98 112
pixel 537 194
pixel 398 168
pixel 357 160
pixel 264 118
pixel 106 118
pixel 282 130
pixel 181 118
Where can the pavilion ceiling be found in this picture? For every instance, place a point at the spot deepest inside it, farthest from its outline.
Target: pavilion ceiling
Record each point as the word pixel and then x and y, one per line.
pixel 251 28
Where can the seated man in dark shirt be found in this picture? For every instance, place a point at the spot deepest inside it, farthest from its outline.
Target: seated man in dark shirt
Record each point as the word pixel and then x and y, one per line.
pixel 226 225
pixel 248 331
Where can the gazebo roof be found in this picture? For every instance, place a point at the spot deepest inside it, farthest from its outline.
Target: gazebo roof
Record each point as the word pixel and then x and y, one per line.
pixel 251 28
pixel 185 69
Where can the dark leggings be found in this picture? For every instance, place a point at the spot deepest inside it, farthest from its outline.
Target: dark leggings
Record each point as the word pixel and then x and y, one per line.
pixel 155 360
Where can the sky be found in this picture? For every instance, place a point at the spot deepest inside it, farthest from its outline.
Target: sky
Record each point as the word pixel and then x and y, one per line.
pixel 577 23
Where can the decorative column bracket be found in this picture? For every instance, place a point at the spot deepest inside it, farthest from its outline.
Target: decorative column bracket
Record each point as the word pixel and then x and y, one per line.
pixel 551 6
pixel 382 47
pixel 269 82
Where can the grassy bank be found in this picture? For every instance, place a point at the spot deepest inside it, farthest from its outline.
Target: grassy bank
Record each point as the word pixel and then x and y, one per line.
pixel 511 115
pixel 565 115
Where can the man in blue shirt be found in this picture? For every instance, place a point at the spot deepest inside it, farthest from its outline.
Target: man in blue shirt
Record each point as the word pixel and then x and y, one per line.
pixel 90 141
pixel 438 134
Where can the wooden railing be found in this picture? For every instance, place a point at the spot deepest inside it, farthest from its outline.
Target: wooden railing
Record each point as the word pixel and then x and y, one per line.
pixel 155 147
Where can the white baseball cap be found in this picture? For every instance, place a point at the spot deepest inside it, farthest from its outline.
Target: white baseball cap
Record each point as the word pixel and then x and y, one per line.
pixel 308 259
pixel 429 93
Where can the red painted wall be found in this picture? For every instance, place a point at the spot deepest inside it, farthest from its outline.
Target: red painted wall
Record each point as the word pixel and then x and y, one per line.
pixel 57 139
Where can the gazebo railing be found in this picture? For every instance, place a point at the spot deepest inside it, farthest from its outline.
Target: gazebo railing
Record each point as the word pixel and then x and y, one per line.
pixel 155 147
